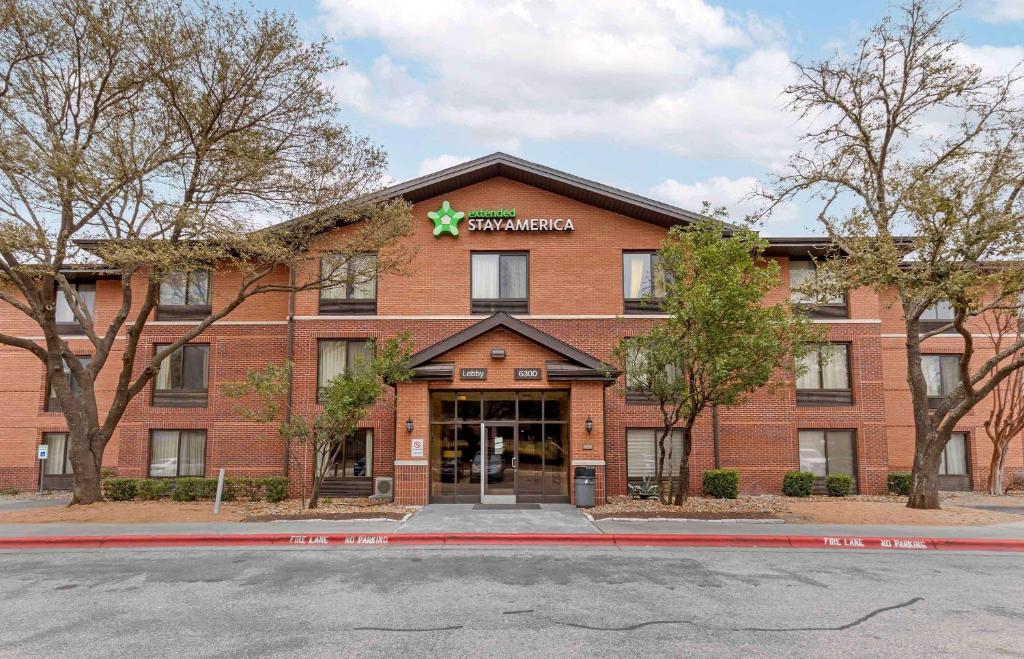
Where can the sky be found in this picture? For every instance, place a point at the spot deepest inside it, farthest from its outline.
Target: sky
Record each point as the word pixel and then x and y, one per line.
pixel 678 100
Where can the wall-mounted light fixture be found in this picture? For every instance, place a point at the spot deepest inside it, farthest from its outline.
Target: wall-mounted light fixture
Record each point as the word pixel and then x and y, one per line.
pixel 589 425
pixel 408 425
pixel 497 353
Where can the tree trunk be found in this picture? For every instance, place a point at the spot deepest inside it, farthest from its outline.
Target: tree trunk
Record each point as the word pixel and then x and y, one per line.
pixel 995 473
pixel 86 464
pixel 924 480
pixel 683 486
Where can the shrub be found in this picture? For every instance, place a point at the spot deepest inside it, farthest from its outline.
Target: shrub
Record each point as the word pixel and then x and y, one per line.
pixel 1016 481
pixel 244 488
pixel 277 489
pixel 194 489
pixel 229 493
pixel 8 491
pixel 108 472
pixel 798 483
pixel 899 483
pixel 721 483
pixel 119 489
pixel 839 485
pixel 151 489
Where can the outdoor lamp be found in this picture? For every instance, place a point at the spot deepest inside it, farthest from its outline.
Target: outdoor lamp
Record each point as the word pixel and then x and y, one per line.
pixel 408 425
pixel 589 425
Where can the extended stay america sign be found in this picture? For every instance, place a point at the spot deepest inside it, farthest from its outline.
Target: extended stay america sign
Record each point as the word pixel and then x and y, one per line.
pixel 446 220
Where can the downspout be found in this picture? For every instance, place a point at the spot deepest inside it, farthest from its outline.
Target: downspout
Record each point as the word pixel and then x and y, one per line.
pixel 714 435
pixel 291 363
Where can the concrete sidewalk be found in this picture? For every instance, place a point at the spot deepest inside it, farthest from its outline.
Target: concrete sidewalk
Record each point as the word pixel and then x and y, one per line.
pixel 560 519
pixel 10 505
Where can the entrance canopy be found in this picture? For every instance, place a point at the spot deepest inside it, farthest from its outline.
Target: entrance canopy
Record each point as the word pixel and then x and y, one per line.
pixel 568 363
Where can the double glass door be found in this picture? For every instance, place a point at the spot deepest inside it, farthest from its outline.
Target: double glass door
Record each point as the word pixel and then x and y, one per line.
pixel 499 447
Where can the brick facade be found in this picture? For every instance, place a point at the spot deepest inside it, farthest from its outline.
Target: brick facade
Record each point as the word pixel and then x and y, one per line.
pixel 575 295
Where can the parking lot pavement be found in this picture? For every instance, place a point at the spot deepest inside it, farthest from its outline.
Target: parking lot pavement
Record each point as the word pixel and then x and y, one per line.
pixel 543 602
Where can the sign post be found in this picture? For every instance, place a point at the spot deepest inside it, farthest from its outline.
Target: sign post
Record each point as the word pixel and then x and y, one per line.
pixel 42 452
pixel 220 492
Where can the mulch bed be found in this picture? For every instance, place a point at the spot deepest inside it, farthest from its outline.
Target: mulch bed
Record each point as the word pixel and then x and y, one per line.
pixel 680 514
pixel 314 514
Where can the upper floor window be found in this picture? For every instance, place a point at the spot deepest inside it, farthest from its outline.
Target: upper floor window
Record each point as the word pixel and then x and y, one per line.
pixel 185 296
pixel 643 282
pixel 500 282
pixel 177 453
pixel 356 287
pixel 65 318
pixel 937 315
pixel 52 403
pixel 825 379
pixel 803 274
pixel 941 375
pixel 183 379
pixel 336 357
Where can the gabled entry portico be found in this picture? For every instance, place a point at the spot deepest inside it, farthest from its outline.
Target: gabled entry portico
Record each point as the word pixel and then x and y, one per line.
pixel 499 413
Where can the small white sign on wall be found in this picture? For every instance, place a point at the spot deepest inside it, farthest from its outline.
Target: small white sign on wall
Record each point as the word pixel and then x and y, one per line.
pixel 417 447
pixel 44 451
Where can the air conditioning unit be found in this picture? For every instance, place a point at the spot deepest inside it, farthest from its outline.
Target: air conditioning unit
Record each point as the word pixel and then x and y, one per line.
pixel 383 488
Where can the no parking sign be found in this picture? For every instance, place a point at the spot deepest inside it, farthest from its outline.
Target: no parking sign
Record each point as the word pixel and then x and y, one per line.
pixel 417 447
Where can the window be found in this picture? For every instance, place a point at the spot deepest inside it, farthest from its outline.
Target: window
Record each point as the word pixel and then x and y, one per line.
pixel 183 378
pixel 826 376
pixel 954 456
pixel 941 375
pixel 58 462
pixel 938 315
pixel 641 452
pixel 357 293
pixel 336 357
pixel 805 273
pixel 64 316
pixel 177 453
pixel 354 458
pixel 185 296
pixel 52 404
pixel 500 282
pixel 643 282
pixel 824 452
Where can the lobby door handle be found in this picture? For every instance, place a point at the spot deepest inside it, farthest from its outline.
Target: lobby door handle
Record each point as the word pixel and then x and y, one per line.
pixel 515 463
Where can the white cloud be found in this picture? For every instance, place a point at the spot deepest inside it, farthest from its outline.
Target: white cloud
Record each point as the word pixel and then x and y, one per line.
pixel 1001 11
pixel 686 76
pixel 733 194
pixel 443 161
pixel 992 60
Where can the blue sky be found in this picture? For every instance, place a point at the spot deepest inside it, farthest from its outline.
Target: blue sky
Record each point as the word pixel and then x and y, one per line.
pixel 678 100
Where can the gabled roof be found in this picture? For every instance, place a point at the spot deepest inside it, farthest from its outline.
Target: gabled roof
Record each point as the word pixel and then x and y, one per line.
pixel 584 366
pixel 538 176
pixel 545 178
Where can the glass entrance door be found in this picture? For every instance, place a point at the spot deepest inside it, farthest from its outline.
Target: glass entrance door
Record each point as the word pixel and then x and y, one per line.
pixel 497 466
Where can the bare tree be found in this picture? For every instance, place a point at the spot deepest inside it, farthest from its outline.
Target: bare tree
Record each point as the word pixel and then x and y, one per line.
pixel 1006 418
pixel 145 137
pixel 907 140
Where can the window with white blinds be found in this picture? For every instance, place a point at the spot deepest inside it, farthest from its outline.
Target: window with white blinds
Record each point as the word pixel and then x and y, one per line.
pixel 641 449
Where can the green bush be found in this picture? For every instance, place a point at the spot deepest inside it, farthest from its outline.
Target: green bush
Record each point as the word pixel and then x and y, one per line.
pixel 277 489
pixel 119 489
pixel 839 485
pixel 798 483
pixel 899 482
pixel 194 489
pixel 721 483
pixel 151 489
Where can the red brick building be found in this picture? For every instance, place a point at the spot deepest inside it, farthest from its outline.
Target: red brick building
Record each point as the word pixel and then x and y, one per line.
pixel 523 280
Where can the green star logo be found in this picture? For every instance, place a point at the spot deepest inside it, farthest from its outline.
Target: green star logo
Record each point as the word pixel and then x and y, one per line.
pixel 445 219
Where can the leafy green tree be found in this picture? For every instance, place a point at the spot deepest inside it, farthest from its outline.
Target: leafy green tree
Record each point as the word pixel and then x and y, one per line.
pixel 345 399
pixel 918 160
pixel 721 340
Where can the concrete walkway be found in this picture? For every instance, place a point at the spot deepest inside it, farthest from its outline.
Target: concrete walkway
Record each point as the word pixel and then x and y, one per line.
pixel 466 518
pixel 10 505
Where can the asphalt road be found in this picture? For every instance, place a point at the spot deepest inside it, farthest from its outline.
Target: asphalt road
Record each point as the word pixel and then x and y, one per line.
pixel 510 602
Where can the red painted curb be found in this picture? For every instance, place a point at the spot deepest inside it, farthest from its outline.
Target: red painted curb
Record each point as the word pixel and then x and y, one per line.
pixel 520 539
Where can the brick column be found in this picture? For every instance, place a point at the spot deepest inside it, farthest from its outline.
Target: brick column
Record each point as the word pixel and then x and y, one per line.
pixel 412 472
pixel 587 449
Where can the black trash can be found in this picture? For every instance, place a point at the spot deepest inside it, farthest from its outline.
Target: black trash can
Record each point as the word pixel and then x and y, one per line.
pixel 586 486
